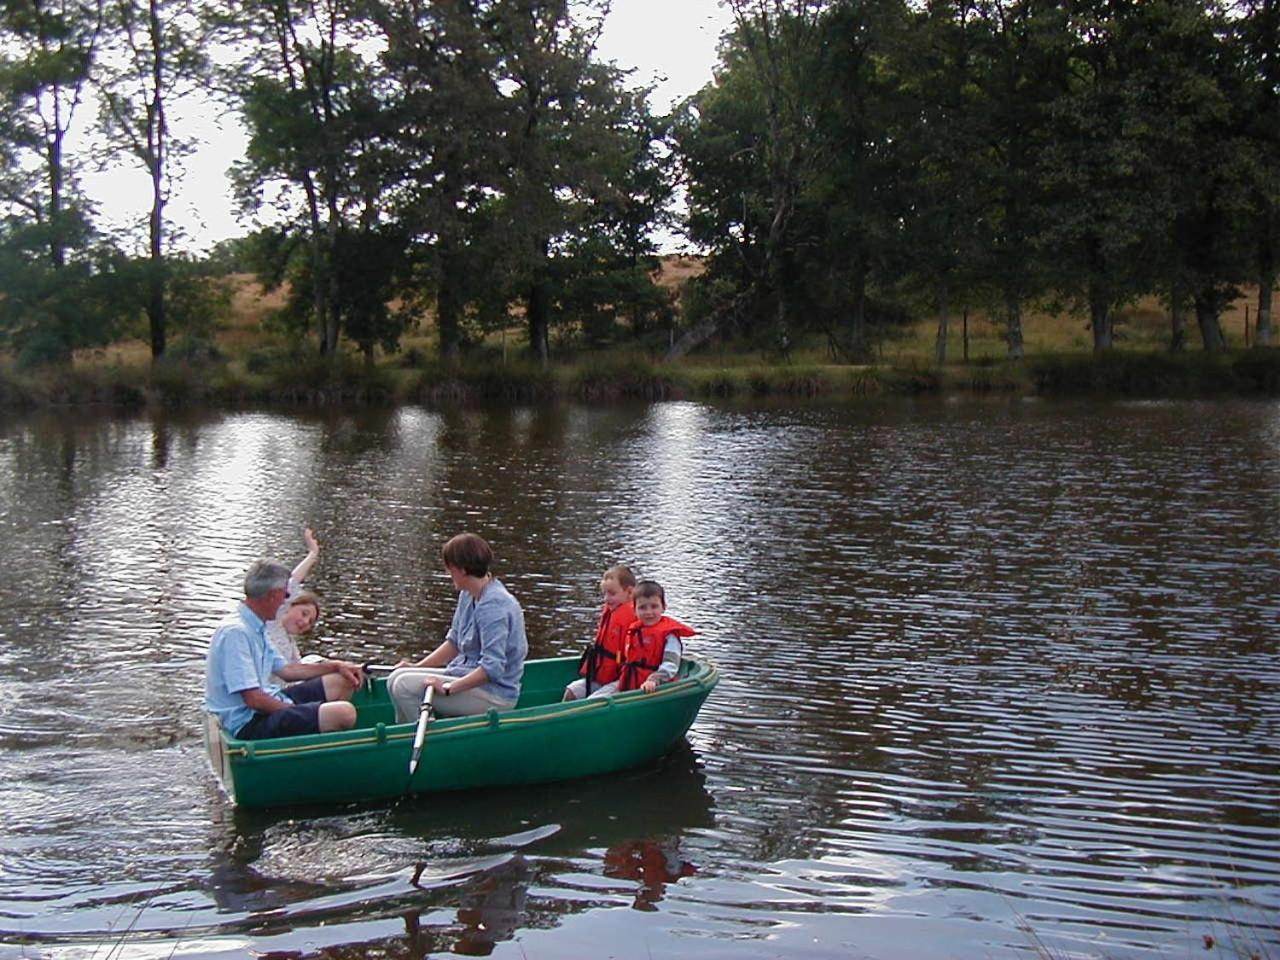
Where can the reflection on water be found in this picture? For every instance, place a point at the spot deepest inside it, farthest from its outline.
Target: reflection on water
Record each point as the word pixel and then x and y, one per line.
pixel 995 675
pixel 651 865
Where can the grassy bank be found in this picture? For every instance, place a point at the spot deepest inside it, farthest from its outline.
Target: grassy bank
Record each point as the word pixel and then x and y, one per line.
pixel 248 363
pixel 318 382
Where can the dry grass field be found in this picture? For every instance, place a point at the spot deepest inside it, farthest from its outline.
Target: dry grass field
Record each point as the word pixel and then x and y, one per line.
pixel 1142 327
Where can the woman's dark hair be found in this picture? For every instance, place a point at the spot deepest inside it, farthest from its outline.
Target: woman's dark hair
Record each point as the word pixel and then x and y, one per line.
pixel 468 552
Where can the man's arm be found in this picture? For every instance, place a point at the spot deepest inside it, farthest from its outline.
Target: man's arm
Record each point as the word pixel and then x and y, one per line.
pixel 260 701
pixel 305 671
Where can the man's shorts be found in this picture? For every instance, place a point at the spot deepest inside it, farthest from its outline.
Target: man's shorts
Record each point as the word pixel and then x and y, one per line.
pixel 303 717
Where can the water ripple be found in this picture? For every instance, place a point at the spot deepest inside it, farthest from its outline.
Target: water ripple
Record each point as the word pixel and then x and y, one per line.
pixel 998 677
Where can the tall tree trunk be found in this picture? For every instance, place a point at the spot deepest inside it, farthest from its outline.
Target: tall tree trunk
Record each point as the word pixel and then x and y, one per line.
pixel 1013 325
pixel 779 283
pixel 944 321
pixel 448 304
pixel 157 150
pixel 315 247
pixel 57 241
pixel 1100 317
pixel 1266 284
pixel 1177 319
pixel 859 342
pixel 57 234
pixel 1207 312
pixel 330 330
pixel 706 328
pixel 539 307
pixel 157 320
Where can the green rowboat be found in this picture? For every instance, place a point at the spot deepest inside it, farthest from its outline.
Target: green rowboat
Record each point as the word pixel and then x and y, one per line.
pixel 541 740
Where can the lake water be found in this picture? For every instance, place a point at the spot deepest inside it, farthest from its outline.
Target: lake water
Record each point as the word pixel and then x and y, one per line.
pixel 1001 678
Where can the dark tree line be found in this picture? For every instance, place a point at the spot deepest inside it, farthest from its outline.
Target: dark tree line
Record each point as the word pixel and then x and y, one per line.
pixel 854 162
pixel 860 157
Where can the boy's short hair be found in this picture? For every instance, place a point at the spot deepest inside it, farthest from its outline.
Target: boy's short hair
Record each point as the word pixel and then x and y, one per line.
pixel 621 575
pixel 650 588
pixel 468 552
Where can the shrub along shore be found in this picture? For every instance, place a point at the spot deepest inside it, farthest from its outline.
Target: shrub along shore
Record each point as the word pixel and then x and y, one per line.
pixel 346 380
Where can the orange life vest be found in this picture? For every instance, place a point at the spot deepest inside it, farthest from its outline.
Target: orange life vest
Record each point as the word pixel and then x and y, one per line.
pixel 642 652
pixel 602 661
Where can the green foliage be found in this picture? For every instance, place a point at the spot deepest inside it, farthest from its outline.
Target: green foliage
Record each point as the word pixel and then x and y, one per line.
pixel 1158 374
pixel 334 379
pixel 512 382
pixel 315 122
pixel 596 287
pixel 853 161
pixel 47 312
pixel 615 376
pixel 953 155
pixel 526 171
pixel 199 301
pixel 235 255
pixel 282 257
pixel 366 264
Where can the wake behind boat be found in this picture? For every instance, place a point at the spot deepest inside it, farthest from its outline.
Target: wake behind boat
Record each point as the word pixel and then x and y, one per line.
pixel 541 740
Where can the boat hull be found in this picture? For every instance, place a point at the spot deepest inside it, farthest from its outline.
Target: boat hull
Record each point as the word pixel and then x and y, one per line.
pixel 540 741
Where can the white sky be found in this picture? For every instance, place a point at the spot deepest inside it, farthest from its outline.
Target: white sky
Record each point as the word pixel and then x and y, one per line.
pixel 670 43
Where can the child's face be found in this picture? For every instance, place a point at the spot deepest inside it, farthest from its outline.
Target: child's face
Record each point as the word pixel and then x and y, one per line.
pixel 649 610
pixel 299 618
pixel 615 594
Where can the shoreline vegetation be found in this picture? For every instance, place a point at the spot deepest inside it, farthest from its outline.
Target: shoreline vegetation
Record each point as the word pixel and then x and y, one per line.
pixel 246 362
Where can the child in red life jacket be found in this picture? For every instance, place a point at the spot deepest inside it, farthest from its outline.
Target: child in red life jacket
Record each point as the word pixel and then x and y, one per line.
pixel 600 664
pixel 651 653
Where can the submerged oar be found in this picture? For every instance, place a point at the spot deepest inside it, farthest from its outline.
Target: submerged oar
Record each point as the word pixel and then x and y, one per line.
pixel 424 717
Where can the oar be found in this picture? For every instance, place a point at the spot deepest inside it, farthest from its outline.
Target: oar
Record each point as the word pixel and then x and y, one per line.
pixel 370 669
pixel 424 717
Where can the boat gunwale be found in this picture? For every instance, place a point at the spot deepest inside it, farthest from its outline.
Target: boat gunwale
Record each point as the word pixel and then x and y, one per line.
pixel 704 675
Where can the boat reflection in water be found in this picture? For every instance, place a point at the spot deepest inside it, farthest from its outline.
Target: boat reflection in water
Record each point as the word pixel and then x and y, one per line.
pixel 491 911
pixel 457 855
pixel 627 827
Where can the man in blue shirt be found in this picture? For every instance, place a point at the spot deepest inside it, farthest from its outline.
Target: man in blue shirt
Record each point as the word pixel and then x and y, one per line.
pixel 238 689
